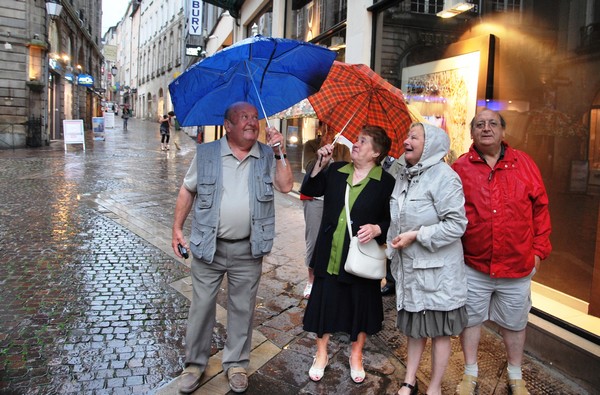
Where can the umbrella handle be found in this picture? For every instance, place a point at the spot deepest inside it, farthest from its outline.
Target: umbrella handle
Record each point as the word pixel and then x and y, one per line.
pixel 278 145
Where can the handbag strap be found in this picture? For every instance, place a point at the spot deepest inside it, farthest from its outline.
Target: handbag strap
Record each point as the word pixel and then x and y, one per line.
pixel 347 206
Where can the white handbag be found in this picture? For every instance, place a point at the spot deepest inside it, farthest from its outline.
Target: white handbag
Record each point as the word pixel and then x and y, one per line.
pixel 364 260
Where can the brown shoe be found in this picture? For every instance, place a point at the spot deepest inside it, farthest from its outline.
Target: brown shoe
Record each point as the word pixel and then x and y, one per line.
pixel 468 385
pixel 189 380
pixel 517 387
pixel 238 379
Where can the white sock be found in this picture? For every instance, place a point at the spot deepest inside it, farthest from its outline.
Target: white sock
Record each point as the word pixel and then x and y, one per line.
pixel 472 370
pixel 514 372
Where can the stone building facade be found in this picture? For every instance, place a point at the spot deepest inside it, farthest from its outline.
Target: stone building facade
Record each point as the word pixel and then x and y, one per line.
pixel 46 63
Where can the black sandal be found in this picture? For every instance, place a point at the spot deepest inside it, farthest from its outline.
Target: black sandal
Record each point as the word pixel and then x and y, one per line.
pixel 414 389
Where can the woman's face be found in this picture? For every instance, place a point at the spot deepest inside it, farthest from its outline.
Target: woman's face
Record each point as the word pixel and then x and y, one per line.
pixel 414 144
pixel 362 149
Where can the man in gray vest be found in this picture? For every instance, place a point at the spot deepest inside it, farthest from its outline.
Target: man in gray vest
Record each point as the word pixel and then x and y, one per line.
pixel 232 229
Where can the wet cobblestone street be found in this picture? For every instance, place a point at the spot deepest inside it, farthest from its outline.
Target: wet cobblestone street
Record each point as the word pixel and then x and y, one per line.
pixel 86 303
pixel 93 301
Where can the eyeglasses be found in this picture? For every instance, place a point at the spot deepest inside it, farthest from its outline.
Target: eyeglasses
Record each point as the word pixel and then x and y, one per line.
pixel 492 124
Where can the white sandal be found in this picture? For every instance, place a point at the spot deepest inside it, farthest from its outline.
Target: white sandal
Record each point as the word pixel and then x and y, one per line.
pixel 317 374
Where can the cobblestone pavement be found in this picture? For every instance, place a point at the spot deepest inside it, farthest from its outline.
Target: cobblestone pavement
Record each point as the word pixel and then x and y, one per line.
pixel 93 301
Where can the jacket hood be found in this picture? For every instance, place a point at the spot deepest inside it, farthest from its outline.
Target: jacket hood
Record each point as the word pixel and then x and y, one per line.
pixel 437 144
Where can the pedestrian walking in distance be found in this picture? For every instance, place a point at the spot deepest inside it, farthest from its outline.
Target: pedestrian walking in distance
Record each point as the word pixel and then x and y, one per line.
pixel 125 116
pixel 165 126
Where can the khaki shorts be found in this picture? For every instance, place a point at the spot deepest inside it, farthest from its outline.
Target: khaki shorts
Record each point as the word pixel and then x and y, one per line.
pixel 505 301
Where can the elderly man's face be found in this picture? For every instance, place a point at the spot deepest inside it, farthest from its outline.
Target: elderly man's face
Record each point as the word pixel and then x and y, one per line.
pixel 487 130
pixel 242 127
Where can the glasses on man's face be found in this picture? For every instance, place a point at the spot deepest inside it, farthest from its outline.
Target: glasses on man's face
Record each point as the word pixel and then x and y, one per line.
pixel 492 124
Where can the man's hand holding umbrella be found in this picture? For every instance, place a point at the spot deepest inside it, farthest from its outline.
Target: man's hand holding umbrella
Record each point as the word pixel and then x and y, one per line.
pixel 275 139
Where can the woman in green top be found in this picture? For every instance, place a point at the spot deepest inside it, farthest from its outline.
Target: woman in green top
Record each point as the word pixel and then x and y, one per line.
pixel 340 301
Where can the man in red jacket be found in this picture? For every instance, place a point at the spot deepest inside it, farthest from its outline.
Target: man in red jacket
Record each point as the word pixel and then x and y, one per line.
pixel 507 237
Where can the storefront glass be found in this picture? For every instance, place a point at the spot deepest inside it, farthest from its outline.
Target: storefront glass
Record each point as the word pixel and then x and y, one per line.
pixel 537 63
pixel 262 23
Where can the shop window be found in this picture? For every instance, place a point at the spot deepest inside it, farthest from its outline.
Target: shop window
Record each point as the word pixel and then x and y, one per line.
pixel 317 17
pixel 37 50
pixel 426 6
pixel 506 5
pixel 262 23
pixel 552 107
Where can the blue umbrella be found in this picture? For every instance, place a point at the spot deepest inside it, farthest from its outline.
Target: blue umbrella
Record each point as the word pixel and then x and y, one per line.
pixel 271 73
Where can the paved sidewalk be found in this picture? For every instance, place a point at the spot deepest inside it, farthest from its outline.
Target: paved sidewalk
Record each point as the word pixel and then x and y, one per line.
pixel 93 301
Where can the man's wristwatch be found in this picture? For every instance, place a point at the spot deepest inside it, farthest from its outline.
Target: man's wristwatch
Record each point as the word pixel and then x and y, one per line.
pixel 279 156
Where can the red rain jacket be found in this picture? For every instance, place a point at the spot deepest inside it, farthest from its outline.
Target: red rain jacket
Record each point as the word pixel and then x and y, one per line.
pixel 507 209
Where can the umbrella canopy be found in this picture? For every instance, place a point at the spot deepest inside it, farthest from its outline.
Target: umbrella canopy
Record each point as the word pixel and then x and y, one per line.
pixel 271 73
pixel 353 96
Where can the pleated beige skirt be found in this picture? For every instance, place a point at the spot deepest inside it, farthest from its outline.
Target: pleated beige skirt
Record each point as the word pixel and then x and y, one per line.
pixel 432 323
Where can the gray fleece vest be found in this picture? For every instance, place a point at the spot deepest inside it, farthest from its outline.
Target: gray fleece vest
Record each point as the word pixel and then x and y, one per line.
pixel 208 202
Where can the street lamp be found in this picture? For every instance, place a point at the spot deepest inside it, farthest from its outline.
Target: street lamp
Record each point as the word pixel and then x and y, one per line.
pixel 113 72
pixel 53 7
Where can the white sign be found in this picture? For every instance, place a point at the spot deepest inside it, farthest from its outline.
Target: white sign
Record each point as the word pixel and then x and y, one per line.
pixel 98 128
pixel 195 20
pixel 110 53
pixel 73 132
pixel 109 120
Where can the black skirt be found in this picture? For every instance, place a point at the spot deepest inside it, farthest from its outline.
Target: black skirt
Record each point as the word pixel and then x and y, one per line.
pixel 334 306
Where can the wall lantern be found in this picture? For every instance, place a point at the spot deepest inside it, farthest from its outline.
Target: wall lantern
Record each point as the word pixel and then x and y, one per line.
pixel 53 8
pixel 113 70
pixel 454 8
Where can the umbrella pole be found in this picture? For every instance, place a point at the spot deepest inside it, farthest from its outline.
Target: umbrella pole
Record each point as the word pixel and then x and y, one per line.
pixel 337 136
pixel 264 112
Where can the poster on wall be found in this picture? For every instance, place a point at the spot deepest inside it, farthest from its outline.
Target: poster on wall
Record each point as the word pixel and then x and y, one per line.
pixel 109 120
pixel 445 93
pixel 73 132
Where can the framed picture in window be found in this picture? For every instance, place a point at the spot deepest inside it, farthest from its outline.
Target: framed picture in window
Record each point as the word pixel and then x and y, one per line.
pixel 446 91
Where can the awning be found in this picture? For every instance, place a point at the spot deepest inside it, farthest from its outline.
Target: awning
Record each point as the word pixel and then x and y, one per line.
pixel 233 6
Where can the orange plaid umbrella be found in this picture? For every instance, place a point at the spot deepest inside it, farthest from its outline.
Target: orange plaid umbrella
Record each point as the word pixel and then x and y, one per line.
pixel 353 96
